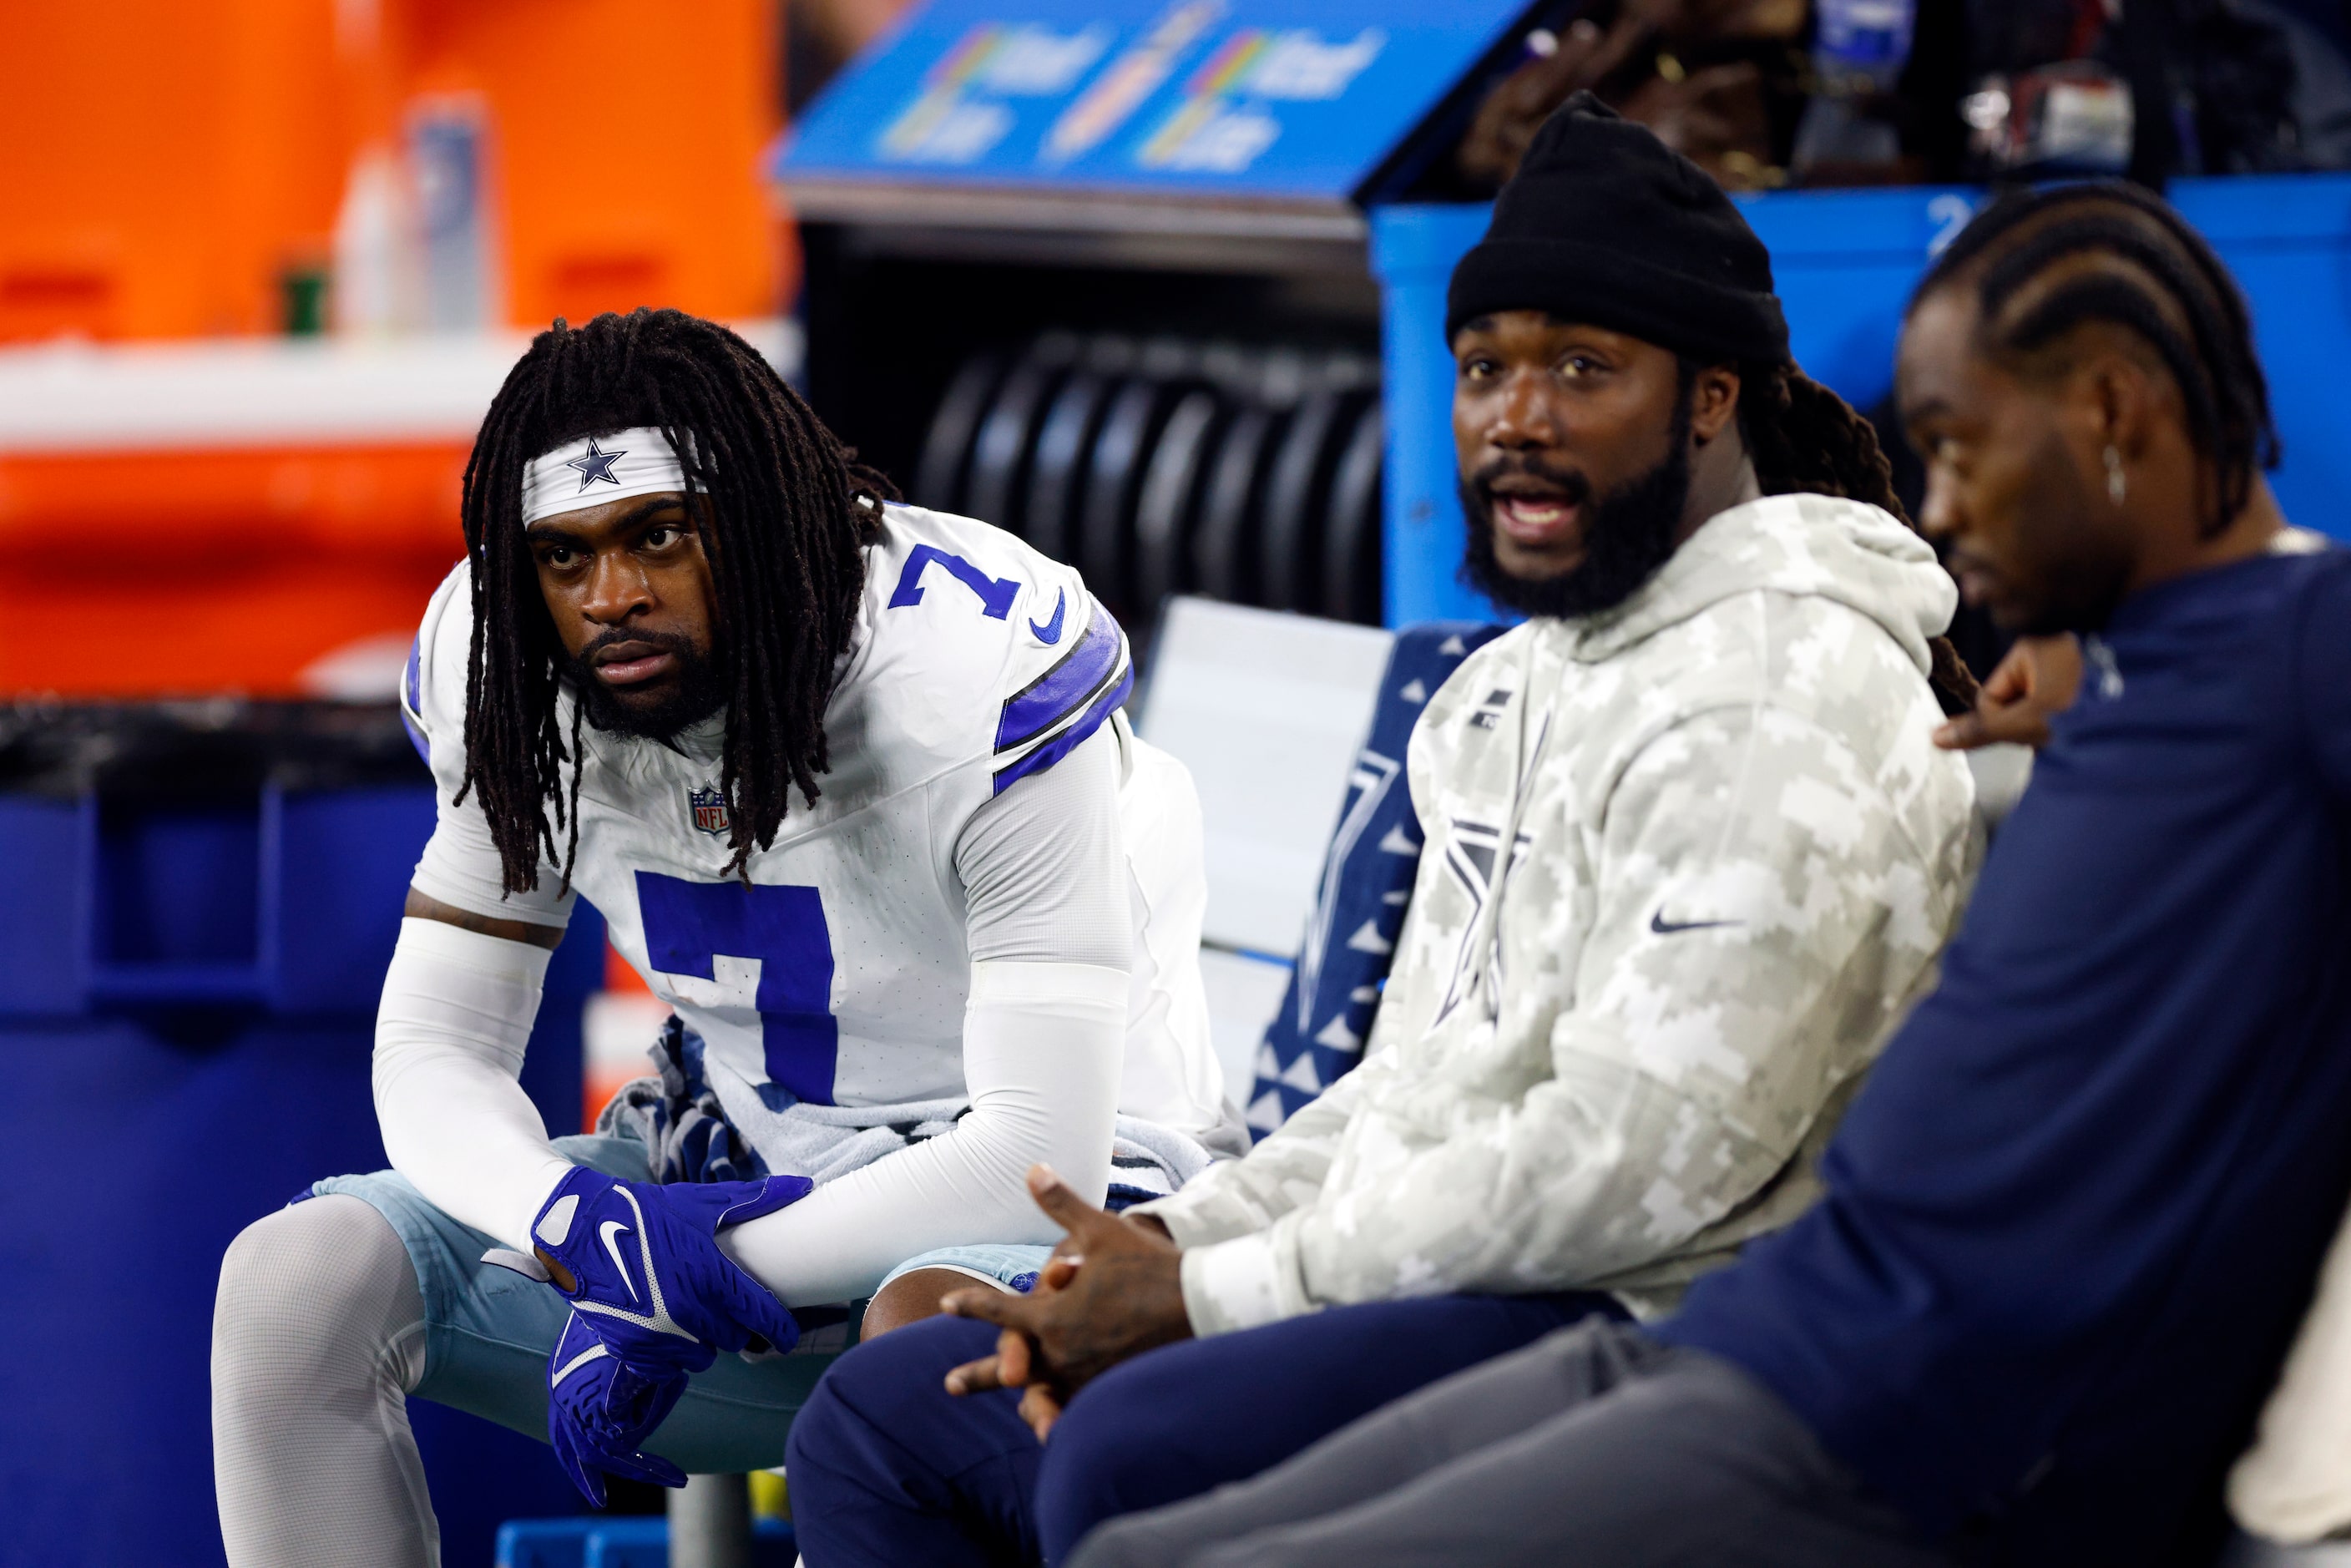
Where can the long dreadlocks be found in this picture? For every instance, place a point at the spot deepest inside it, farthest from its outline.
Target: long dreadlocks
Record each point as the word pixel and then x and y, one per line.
pixel 2158 277
pixel 1800 436
pixel 784 509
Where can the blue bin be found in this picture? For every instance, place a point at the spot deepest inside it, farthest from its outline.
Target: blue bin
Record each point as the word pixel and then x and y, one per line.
pixel 196 908
pixel 601 1541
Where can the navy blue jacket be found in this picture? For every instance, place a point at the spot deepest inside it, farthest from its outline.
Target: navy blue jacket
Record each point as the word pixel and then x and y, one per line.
pixel 2073 1220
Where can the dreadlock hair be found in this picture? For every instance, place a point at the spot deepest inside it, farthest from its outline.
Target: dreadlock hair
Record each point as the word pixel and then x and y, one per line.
pixel 2161 282
pixel 1803 437
pixel 784 509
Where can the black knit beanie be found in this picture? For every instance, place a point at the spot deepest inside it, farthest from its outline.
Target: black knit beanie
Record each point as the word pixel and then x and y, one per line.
pixel 1603 224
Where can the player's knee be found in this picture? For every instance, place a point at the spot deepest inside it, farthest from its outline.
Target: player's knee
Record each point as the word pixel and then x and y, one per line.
pixel 909 1298
pixel 895 1390
pixel 885 1383
pixel 309 1277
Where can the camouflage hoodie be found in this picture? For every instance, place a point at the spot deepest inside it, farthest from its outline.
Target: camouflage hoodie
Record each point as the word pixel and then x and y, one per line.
pixel 1733 857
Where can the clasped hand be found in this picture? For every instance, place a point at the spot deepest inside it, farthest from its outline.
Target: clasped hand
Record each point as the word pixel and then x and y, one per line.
pixel 1113 1289
pixel 653 1299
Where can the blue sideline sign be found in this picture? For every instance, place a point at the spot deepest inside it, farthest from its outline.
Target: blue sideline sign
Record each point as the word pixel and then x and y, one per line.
pixel 1251 97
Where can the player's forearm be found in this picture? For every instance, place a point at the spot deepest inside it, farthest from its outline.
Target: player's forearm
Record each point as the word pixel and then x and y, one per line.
pixel 450 1033
pixel 1042 1048
pixel 472 1143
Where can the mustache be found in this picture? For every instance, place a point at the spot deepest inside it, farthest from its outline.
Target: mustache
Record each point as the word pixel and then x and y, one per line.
pixel 667 641
pixel 1574 486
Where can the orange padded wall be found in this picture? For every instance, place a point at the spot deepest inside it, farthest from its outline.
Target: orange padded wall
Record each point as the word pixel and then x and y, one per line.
pixel 166 161
pixel 160 573
pixel 172 159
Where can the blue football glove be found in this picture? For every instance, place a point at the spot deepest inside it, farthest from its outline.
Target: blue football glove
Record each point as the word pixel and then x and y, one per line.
pixel 601 1410
pixel 653 1300
pixel 643 1265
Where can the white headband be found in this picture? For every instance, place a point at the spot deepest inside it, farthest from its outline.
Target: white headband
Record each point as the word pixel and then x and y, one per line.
pixel 595 469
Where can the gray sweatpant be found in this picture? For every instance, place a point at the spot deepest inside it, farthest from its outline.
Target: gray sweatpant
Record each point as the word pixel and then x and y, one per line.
pixel 1592 1447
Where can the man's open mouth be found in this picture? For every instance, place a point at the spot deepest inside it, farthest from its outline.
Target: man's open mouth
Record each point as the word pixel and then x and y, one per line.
pixel 1535 513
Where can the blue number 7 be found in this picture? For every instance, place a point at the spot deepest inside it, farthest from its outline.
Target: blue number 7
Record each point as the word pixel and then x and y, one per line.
pixel 689 923
pixel 995 593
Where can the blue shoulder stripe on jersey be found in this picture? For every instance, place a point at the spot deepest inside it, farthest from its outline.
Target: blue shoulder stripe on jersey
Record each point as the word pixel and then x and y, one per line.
pixel 1100 655
pixel 411 707
pixel 1061 744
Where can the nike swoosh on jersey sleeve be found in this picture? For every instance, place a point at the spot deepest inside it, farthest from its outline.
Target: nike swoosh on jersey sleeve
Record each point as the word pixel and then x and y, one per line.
pixel 1067 703
pixel 1074 681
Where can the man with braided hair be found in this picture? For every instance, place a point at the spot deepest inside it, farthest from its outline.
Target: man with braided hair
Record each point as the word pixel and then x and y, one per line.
pixel 2067 1231
pixel 1688 852
pixel 847 782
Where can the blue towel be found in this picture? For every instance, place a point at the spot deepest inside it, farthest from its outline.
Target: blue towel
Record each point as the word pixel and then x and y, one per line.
pixel 1366 884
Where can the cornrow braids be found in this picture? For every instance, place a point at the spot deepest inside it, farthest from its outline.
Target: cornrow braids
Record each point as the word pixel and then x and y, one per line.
pixel 1803 437
pixel 2170 290
pixel 784 510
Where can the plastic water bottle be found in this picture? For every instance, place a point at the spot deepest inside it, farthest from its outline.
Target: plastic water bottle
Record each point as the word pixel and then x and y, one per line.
pixel 1862 42
pixel 1859 49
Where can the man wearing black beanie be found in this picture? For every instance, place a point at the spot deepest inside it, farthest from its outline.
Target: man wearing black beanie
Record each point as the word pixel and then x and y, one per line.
pixel 1608 240
pixel 1687 854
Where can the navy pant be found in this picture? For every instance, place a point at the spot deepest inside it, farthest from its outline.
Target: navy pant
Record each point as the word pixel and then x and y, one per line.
pixel 888 1469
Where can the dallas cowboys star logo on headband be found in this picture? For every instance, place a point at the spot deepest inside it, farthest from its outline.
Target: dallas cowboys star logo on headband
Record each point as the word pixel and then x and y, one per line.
pixel 567 478
pixel 596 464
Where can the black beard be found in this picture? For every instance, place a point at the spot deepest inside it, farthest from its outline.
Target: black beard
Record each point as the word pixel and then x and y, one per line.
pixel 1628 534
pixel 697 692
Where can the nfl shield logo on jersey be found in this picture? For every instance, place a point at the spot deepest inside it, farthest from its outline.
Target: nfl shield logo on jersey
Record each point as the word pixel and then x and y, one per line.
pixel 709 808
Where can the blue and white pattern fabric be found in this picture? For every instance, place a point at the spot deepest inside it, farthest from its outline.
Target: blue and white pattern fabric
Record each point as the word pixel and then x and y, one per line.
pixel 1326 1013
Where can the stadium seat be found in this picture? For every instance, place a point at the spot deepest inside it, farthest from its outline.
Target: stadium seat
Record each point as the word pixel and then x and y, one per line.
pixel 1294 729
pixel 1268 711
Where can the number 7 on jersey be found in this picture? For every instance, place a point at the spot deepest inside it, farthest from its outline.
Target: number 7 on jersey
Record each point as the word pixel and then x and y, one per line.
pixel 690 924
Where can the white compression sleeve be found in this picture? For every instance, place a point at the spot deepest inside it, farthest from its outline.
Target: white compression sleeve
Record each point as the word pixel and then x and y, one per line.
pixel 449 1037
pixel 1042 1046
pixel 1044 867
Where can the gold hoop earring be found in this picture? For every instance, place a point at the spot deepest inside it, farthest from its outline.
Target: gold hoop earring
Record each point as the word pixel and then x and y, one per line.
pixel 2117 486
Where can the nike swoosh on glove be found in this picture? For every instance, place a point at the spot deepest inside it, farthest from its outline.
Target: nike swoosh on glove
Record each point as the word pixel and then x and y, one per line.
pixel 600 1409
pixel 647 1272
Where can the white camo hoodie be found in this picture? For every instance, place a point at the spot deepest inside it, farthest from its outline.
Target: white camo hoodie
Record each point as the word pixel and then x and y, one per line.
pixel 1734 856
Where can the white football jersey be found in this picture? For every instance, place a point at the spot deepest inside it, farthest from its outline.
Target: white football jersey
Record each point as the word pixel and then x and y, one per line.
pixel 837 978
